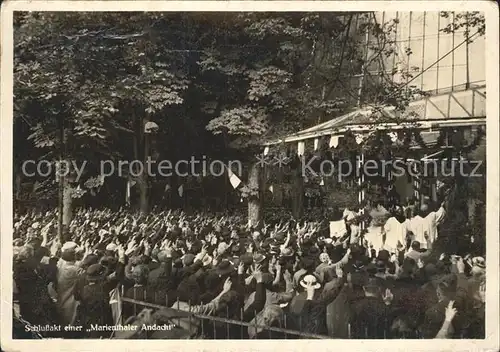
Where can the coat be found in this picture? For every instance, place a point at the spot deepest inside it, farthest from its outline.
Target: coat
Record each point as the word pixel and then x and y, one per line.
pixel 68 274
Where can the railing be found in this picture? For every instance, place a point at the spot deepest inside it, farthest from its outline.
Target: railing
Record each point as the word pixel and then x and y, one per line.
pixel 213 327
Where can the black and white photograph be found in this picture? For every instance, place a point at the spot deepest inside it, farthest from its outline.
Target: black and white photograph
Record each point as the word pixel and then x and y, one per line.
pixel 250 174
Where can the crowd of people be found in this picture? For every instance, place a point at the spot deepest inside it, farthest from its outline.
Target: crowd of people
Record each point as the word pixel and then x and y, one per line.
pixel 373 273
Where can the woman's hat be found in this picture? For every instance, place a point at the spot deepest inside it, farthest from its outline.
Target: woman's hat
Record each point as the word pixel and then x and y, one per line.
pixel 287 252
pixel 258 258
pixel 324 257
pixel 96 272
pixel 310 279
pixel 224 268
pixel 246 259
pixel 70 245
pixel 280 238
pixel 479 262
pixel 140 272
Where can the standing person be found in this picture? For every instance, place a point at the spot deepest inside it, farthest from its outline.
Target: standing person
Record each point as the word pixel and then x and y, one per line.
pixel 68 274
pixel 427 222
pixel 35 303
pixel 94 307
pixel 396 229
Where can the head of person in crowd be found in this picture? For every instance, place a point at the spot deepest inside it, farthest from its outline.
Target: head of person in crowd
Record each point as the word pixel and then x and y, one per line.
pixel 140 274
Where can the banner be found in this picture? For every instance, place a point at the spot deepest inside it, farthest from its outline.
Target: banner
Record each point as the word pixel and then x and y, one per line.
pixel 233 179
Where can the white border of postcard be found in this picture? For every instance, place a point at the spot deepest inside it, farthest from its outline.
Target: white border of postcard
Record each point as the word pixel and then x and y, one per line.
pixel 491 343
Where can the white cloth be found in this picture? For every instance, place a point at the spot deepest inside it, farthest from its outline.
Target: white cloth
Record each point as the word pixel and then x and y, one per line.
pixel 419 225
pixel 395 231
pixel 337 228
pixel 374 238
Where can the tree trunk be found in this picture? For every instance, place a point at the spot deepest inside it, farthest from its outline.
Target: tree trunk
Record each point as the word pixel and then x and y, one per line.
pixel 143 194
pixel 297 193
pixel 18 184
pixel 254 202
pixel 67 203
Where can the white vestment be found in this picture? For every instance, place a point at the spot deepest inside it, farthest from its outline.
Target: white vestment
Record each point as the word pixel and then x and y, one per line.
pixel 419 226
pixel 395 231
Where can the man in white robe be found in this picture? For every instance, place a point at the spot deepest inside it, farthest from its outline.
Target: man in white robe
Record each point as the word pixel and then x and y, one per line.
pixel 421 224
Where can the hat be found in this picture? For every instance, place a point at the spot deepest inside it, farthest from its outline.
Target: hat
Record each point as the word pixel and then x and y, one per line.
pixel 381 266
pixel 222 247
pixel 280 238
pixel 111 247
pixel 358 265
pixel 96 272
pixel 246 259
pixel 310 279
pixel 140 272
pixel 324 257
pixel 384 255
pixel 188 259
pixel 258 258
pixel 162 256
pixel 328 240
pixel 69 246
pixel 108 261
pixel 314 251
pixel 89 260
pixel 287 252
pixel 479 262
pixel 207 260
pixel 267 278
pixel 224 268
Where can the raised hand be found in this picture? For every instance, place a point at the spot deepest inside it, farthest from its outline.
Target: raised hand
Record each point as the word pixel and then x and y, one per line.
pixel 388 297
pixel 450 312
pixel 227 285
pixel 241 268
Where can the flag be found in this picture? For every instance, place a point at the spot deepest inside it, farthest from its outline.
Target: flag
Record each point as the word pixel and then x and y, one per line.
pixel 334 141
pixel 266 150
pixel 130 183
pixel 301 148
pixel 271 188
pixel 359 138
pixel 115 301
pixel 167 187
pixel 233 179
pixel 316 144
pixel 322 182
pixel 181 190
pixel 393 136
